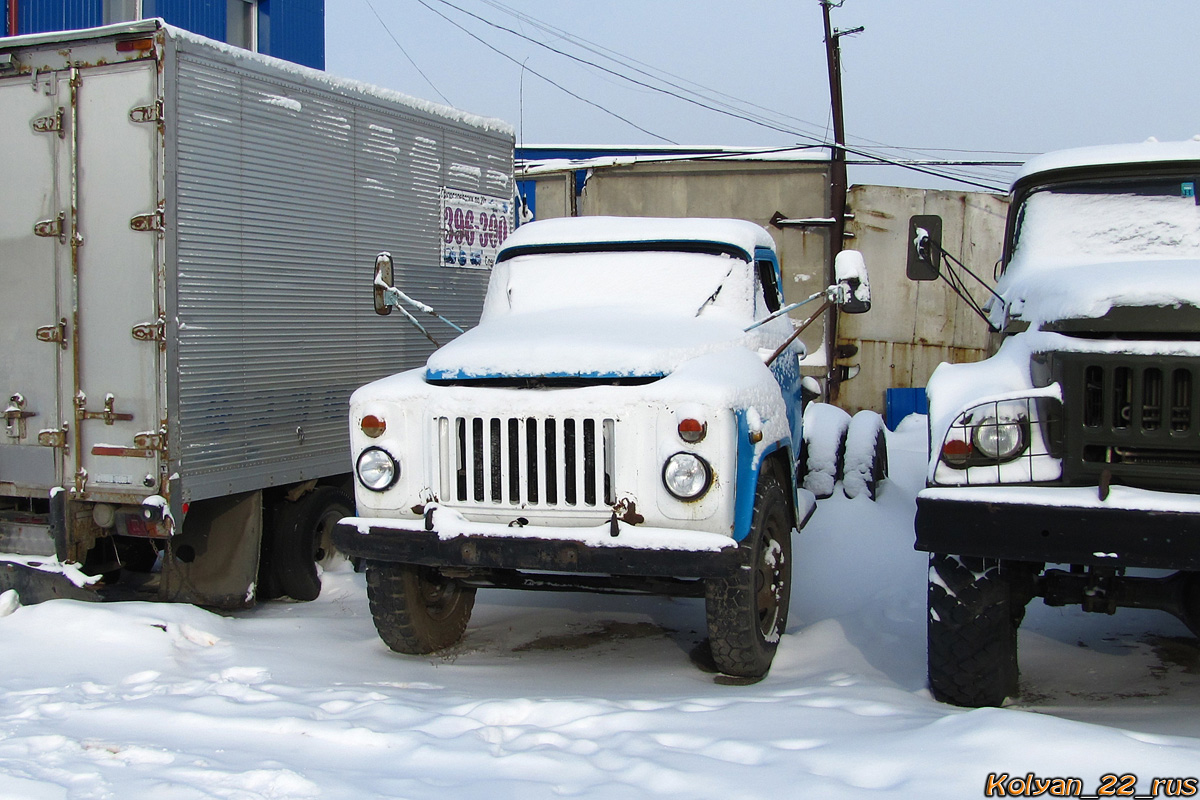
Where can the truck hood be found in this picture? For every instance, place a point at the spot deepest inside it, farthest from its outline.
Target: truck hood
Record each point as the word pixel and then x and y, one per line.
pixel 1127 297
pixel 582 343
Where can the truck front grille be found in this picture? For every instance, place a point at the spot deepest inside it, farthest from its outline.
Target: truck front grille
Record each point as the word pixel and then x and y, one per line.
pixel 525 462
pixel 1138 418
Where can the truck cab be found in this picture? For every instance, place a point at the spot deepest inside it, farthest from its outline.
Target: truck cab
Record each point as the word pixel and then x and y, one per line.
pixel 1069 461
pixel 626 417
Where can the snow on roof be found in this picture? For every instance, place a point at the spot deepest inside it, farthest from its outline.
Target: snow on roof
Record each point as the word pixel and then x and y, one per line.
pixel 745 236
pixel 331 82
pixel 1147 152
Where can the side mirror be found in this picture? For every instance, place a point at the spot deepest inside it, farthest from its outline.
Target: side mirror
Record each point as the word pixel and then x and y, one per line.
pixel 924 247
pixel 384 275
pixel 854 291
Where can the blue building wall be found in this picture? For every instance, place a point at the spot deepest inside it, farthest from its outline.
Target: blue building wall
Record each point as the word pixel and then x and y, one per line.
pixel 290 29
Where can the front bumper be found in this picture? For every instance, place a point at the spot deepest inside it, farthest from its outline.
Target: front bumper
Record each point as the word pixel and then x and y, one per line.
pixel 1129 528
pixel 445 539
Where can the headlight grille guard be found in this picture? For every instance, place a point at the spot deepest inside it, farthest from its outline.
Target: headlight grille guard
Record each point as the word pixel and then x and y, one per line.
pixel 1037 413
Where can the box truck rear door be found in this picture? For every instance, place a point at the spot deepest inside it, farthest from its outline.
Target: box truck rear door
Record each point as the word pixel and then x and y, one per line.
pixel 34 223
pixel 119 394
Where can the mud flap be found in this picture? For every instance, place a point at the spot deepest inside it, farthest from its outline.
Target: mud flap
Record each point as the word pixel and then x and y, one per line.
pixel 213 561
pixel 35 585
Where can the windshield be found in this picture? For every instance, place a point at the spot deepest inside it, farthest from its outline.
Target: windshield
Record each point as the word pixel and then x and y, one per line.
pixel 674 283
pixel 1109 221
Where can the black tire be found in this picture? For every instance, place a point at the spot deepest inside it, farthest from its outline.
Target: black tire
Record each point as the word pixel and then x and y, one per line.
pixel 879 466
pixel 416 609
pixel 973 623
pixel 866 426
pixel 747 611
pixel 300 542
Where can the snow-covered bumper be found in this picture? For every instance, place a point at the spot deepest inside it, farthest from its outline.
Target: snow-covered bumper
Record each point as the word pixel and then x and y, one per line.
pixel 1062 525
pixel 445 539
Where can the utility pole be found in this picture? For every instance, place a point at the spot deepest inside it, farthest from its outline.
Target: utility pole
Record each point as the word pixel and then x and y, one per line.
pixel 837 179
pixel 838 185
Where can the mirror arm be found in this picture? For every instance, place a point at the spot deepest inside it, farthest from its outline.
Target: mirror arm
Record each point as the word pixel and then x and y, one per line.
pixel 796 333
pixel 394 297
pixel 786 309
pixel 957 285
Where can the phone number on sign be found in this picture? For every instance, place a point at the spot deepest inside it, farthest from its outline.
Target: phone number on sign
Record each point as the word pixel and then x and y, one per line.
pixel 462 227
pixel 1001 784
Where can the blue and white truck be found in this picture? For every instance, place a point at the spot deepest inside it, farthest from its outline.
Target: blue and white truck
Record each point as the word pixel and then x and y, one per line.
pixel 626 417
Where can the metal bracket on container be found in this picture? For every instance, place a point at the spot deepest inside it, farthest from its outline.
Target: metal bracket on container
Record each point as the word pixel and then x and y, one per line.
pixel 150 113
pixel 53 438
pixel 15 416
pixel 51 124
pixel 54 333
pixel 52 228
pixel 147 222
pixel 151 331
pixel 108 415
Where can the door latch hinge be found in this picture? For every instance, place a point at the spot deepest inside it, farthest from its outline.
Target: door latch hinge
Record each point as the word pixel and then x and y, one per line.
pixel 54 333
pixel 53 438
pixel 52 228
pixel 15 416
pixel 147 222
pixel 108 414
pixel 51 124
pixel 149 440
pixel 151 331
pixel 150 113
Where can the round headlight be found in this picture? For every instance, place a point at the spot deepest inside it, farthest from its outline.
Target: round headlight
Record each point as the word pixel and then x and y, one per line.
pixel 999 439
pixel 376 469
pixel 687 476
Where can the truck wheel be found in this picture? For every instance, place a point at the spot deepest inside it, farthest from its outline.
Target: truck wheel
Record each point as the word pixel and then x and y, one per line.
pixel 747 611
pixel 866 464
pixel 416 609
pixel 972 632
pixel 824 433
pixel 301 541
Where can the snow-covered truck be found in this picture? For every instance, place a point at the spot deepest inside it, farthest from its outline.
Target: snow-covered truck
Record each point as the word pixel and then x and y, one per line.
pixel 1067 465
pixel 626 417
pixel 181 229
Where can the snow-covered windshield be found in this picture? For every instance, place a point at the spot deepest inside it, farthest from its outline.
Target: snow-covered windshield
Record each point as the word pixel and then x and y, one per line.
pixel 671 283
pixel 1109 221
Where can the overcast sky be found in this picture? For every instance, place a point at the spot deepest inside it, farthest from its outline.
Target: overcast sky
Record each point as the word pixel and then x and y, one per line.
pixel 999 80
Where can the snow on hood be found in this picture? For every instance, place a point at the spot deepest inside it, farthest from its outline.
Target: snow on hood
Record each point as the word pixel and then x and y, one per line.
pixel 582 342
pixel 1041 296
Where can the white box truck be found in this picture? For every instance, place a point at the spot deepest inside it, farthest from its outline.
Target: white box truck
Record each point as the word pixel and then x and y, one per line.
pixel 182 229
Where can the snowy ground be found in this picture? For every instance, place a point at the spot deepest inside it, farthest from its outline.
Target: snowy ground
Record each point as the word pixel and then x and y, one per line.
pixel 583 695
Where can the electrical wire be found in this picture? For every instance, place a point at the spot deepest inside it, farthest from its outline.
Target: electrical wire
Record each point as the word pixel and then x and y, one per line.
pixel 945 174
pixel 557 85
pixel 406 55
pixel 626 61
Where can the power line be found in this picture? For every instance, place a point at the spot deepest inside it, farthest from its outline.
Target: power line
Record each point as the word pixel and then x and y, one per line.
pixel 406 55
pixel 557 85
pixel 627 61
pixel 946 174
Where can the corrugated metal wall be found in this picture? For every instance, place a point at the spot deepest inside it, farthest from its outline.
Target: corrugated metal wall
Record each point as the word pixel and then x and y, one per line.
pixel 285 192
pixel 293 30
pixel 914 326
pixel 289 29
pixel 205 17
pixel 38 16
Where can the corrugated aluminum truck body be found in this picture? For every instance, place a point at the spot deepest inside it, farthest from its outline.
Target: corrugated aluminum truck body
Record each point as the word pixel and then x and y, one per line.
pixel 183 235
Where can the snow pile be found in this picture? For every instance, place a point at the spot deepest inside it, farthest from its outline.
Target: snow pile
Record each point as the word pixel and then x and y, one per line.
pixel 864 445
pixel 824 431
pixel 585 696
